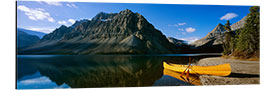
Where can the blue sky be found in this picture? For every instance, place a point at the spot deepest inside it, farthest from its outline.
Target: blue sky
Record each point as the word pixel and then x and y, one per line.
pixel 187 22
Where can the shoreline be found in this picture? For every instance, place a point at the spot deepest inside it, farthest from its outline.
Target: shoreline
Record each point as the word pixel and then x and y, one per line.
pixel 243 72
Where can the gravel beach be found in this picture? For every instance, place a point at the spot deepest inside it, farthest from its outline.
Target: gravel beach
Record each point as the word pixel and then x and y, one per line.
pixel 243 72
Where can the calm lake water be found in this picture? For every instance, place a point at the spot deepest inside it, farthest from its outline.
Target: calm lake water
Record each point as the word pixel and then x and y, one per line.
pixel 86 71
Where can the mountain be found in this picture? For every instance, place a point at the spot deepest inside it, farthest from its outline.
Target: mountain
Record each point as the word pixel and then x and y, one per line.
pixel 239 24
pixel 180 45
pixel 213 41
pixel 24 39
pixel 177 42
pixel 59 33
pixel 214 37
pixel 107 33
pixel 79 22
pixel 30 32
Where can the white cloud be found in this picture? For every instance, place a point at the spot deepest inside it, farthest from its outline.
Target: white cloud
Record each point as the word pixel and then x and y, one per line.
pixel 190 39
pixel 24 8
pixel 71 5
pixel 228 16
pixel 72 21
pixel 41 9
pixel 178 24
pixel 180 29
pixel 67 22
pixel 63 23
pixel 41 29
pixel 181 24
pixel 190 29
pixel 36 13
pixel 54 3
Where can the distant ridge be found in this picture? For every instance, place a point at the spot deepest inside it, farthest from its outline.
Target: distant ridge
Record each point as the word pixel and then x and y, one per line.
pixel 25 40
pixel 31 32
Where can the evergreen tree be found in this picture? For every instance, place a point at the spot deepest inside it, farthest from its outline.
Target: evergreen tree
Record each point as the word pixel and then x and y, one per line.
pixel 248 40
pixel 228 37
pixel 228 26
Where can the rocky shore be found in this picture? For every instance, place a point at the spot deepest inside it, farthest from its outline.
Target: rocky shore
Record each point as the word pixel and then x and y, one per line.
pixel 243 72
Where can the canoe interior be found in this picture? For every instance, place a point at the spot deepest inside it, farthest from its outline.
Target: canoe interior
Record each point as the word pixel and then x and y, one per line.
pixel 217 70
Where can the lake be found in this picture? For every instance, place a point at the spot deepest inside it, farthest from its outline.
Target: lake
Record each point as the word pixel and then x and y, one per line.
pixel 89 71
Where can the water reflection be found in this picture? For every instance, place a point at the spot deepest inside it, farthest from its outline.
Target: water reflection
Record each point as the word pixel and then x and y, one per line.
pixel 85 71
pixel 94 71
pixel 36 81
pixel 172 78
pixel 167 80
pixel 191 79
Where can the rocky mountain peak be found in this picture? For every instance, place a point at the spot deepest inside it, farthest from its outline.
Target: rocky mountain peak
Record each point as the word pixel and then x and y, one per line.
pixel 217 31
pixel 57 34
pixel 123 32
pixel 79 22
pixel 62 27
pixel 127 11
pixel 219 24
pixel 214 37
pixel 102 16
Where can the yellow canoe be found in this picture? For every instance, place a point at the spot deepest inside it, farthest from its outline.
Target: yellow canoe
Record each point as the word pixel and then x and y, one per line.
pixel 218 70
pixel 192 79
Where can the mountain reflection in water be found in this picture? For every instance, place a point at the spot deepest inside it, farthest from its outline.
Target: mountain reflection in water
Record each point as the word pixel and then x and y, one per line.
pixel 85 71
pixel 36 81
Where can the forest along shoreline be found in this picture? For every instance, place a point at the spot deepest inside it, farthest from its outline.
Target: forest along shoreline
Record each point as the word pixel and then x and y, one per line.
pixel 243 72
pixel 241 51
